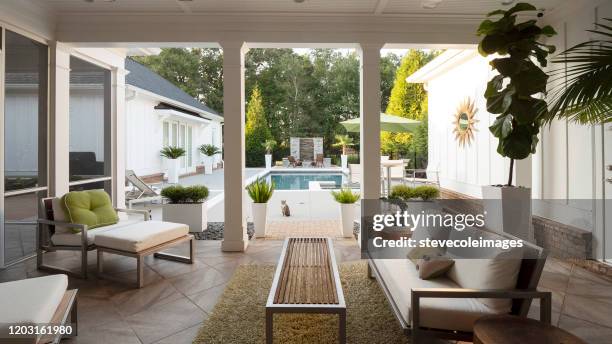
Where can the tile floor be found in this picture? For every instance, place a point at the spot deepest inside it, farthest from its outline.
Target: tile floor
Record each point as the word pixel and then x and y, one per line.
pixel 178 297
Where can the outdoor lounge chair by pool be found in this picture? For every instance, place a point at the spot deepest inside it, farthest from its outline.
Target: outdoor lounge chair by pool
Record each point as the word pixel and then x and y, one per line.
pixel 294 162
pixel 144 192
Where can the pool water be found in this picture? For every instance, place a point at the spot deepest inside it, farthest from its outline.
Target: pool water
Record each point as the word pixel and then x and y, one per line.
pixel 293 181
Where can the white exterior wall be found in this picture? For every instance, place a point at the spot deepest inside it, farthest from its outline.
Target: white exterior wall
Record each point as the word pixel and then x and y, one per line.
pixel 463 169
pixel 144 135
pixel 564 167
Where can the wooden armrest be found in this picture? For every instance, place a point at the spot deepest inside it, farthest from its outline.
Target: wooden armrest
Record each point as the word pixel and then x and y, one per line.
pixel 460 293
pixel 144 213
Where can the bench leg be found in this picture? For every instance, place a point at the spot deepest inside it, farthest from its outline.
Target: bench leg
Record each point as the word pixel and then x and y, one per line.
pixel 177 258
pixel 269 326
pixel 342 328
pixel 140 268
pixel 100 261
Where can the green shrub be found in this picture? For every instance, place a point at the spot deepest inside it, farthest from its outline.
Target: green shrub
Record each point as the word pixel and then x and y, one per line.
pixel 426 193
pixel 401 192
pixel 172 152
pixel 196 193
pixel 352 158
pixel 345 196
pixel 209 150
pixel 260 190
pixel 177 194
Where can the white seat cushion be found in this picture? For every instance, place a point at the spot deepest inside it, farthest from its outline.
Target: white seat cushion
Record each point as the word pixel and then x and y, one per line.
pixel 74 239
pixel 141 235
pixel 400 276
pixel 30 301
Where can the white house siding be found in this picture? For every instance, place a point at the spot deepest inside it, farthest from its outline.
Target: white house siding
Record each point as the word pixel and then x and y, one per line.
pixel 21 153
pixel 463 169
pixel 566 162
pixel 86 119
pixel 144 135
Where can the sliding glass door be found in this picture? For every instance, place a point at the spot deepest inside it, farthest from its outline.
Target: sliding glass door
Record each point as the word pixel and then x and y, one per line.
pixel 24 64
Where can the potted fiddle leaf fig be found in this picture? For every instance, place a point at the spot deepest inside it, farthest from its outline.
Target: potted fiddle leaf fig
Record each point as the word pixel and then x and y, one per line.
pixel 347 198
pixel 209 151
pixel 515 97
pixel 269 145
pixel 186 205
pixel 260 192
pixel 172 154
pixel 343 141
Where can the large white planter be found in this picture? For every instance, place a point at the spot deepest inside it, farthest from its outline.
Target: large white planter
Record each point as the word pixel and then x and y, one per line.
pixel 192 214
pixel 347 212
pixel 208 164
pixel 173 170
pixel 268 161
pixel 508 210
pixel 259 211
pixel 344 161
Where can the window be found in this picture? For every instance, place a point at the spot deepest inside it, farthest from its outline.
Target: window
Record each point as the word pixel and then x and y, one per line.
pixel 189 146
pixel 24 141
pixel 90 143
pixel 166 133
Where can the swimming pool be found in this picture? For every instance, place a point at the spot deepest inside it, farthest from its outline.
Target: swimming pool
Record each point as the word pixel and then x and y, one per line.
pixel 299 181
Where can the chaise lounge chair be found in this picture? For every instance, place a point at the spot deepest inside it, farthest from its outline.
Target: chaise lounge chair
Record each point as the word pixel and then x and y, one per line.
pixel 144 192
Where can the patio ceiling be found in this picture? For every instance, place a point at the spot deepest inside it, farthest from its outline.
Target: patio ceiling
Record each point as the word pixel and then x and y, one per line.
pixel 314 7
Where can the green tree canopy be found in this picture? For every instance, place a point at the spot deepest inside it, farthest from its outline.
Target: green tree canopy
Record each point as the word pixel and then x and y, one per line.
pixel 256 130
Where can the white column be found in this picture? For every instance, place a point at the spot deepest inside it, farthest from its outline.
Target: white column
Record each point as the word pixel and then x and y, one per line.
pixel 59 118
pixel 370 120
pixel 118 136
pixel 234 234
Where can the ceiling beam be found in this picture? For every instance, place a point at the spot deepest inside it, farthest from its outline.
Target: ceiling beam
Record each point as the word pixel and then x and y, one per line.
pixel 381 5
pixel 184 6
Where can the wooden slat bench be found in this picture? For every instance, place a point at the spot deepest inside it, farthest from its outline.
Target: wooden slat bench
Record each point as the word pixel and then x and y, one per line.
pixel 306 281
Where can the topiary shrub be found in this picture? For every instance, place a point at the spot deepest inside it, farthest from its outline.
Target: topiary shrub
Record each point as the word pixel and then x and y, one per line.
pixel 177 194
pixel 426 192
pixel 401 192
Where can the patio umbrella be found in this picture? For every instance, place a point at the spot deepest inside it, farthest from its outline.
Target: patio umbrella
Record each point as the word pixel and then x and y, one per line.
pixel 391 123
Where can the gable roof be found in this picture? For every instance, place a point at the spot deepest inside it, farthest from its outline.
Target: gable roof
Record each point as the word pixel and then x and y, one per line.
pixel 142 77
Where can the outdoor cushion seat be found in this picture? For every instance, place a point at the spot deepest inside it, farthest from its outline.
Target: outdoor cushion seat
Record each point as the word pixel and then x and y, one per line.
pixel 400 276
pixel 72 239
pixel 140 236
pixel 31 301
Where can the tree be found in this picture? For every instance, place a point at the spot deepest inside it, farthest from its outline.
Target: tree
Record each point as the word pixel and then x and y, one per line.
pixel 407 100
pixel 256 130
pixel 388 67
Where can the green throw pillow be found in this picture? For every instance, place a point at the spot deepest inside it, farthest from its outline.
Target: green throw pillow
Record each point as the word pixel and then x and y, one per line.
pixel 92 208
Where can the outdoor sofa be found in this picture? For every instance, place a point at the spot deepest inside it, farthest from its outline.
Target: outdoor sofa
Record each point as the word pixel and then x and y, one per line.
pixel 65 219
pixel 446 307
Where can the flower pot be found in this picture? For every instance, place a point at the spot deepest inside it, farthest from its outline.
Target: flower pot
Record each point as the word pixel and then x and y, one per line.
pixel 268 161
pixel 192 214
pixel 173 170
pixel 508 210
pixel 347 212
pixel 344 161
pixel 259 218
pixel 208 164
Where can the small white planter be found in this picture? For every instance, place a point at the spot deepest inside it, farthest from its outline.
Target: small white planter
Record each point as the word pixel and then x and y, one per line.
pixel 347 212
pixel 268 161
pixel 344 161
pixel 508 210
pixel 192 214
pixel 208 164
pixel 259 211
pixel 173 170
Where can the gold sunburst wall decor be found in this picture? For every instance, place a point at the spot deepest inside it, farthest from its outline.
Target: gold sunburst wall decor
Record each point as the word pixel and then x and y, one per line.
pixel 464 122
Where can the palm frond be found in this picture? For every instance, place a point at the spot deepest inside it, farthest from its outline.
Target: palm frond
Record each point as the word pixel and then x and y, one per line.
pixel 581 91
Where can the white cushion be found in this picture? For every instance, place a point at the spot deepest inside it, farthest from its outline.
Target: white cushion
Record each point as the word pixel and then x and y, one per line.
pixel 400 276
pixel 59 215
pixel 141 236
pixel 74 239
pixel 498 271
pixel 30 301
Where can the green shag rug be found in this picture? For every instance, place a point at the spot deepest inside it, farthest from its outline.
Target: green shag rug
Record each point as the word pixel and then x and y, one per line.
pixel 239 316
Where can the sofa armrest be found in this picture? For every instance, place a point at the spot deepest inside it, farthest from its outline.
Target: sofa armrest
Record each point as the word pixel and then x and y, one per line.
pixel 81 227
pixel 456 293
pixel 144 213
